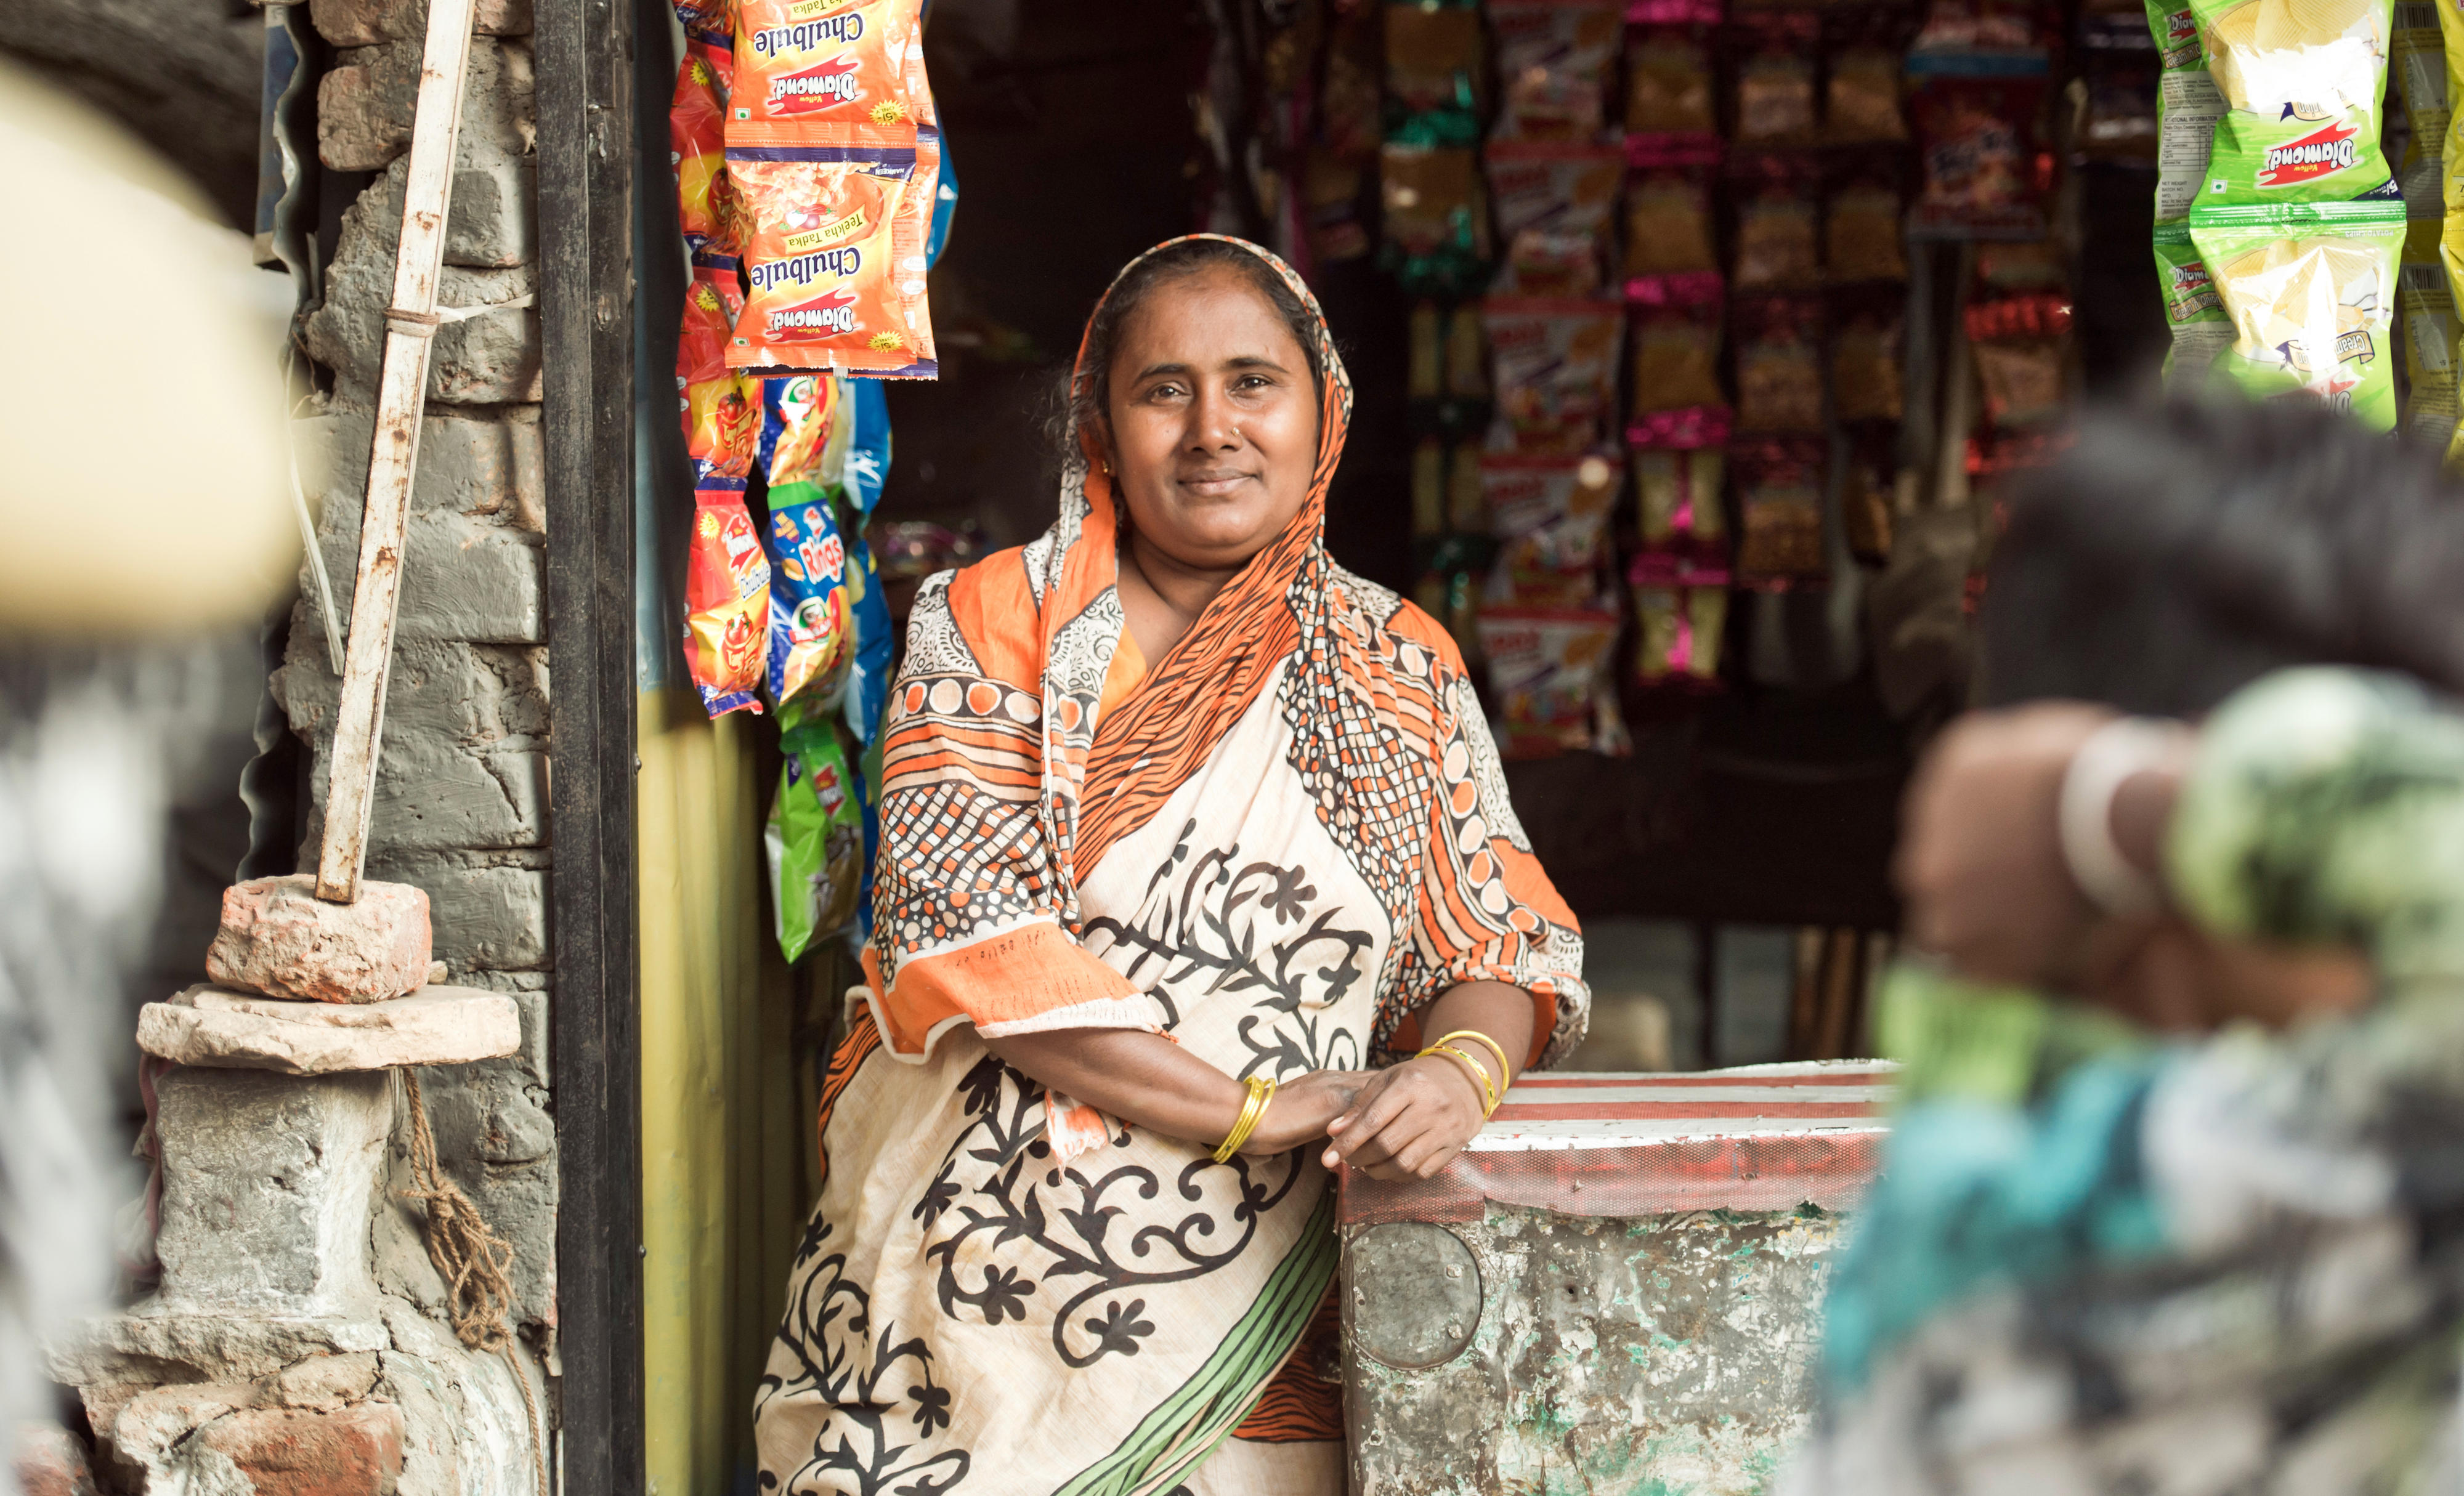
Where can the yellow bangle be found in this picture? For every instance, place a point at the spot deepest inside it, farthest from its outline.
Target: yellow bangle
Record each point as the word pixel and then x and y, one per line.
pixel 1261 1090
pixel 1478 1076
pixel 1505 1069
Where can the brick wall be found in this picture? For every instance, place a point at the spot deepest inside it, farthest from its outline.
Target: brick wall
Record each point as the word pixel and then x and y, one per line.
pixel 461 799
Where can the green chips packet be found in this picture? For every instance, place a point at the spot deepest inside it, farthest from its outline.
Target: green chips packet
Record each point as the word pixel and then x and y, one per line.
pixel 2303 83
pixel 2193 308
pixel 2427 305
pixel 814 840
pixel 2188 106
pixel 2310 290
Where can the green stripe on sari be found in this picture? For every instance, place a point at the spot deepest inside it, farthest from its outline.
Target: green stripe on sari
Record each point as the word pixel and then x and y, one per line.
pixel 1185 1427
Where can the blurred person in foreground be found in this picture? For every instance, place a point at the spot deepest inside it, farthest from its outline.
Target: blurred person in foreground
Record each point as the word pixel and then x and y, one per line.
pixel 136 516
pixel 2175 1199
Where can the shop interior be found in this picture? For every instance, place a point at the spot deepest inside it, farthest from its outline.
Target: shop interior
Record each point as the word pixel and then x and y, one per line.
pixel 1691 345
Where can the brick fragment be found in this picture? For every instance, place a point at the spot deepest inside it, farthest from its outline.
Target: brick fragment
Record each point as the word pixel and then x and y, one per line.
pixel 355 1451
pixel 278 938
pixel 53 1461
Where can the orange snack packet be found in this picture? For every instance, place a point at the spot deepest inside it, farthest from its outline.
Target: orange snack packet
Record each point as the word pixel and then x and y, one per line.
pixel 721 418
pixel 831 251
pixel 831 61
pixel 706 204
pixel 727 599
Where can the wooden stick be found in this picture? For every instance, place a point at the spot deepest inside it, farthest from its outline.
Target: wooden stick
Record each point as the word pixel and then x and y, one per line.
pixel 402 388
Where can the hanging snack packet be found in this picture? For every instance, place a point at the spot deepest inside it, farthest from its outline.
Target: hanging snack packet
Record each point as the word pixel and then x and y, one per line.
pixel 1677 397
pixel 1423 352
pixel 727 599
pixel 1435 62
pixel 1677 498
pixel 1552 63
pixel 1778 241
pixel 1552 204
pixel 1466 356
pixel 1668 211
pixel 797 413
pixel 707 206
pixel 2193 307
pixel 1555 372
pixel 2418 69
pixel 917 206
pixel 859 449
pixel 1779 365
pixel 1776 82
pixel 1976 137
pixel 1436 225
pixel 1544 672
pixel 711 21
pixel 828 242
pixel 829 61
pixel 809 627
pixel 1862 102
pixel 2430 336
pixel 1866 365
pixel 1466 493
pixel 1862 233
pixel 1681 607
pixel 2117 119
pixel 2303 81
pixel 2188 107
pixel 721 418
pixel 1550 516
pixel 1779 510
pixel 1668 84
pixel 814 838
pixel 2310 288
pixel 869 645
pixel 2021 349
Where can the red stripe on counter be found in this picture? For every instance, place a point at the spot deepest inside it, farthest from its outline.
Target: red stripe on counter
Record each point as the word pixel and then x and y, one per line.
pixel 1676 1111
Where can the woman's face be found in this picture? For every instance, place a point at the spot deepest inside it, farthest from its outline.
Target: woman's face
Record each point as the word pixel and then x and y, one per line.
pixel 1213 420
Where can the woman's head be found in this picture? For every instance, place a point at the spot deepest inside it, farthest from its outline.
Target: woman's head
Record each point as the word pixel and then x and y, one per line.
pixel 2179 552
pixel 1201 383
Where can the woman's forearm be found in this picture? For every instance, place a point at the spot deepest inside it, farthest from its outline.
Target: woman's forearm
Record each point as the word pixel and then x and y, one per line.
pixel 1143 1079
pixel 1503 1013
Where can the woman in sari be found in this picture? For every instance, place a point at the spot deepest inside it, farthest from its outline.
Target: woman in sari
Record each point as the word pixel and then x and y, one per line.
pixel 1183 829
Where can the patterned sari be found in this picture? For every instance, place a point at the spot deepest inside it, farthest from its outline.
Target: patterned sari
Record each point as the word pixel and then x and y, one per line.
pixel 1275 844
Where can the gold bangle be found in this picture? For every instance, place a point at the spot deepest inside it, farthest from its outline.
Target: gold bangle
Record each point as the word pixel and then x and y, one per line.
pixel 1479 1074
pixel 1504 1068
pixel 1261 1091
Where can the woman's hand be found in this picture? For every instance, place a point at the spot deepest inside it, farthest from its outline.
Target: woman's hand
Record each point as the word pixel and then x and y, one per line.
pixel 1409 1121
pixel 1301 1108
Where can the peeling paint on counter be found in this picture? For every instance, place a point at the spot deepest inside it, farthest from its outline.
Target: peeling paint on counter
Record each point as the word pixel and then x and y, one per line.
pixel 1531 1347
pixel 1664 1357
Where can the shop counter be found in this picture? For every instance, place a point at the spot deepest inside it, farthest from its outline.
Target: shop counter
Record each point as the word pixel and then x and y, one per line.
pixel 1616 1288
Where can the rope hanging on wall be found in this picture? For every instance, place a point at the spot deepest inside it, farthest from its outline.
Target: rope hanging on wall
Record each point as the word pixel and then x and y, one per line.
pixel 476 1262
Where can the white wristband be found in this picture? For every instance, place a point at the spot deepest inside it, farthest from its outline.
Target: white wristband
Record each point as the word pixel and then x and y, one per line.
pixel 2112 754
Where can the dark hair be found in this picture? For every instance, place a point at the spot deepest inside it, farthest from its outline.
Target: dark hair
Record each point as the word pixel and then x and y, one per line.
pixel 2181 550
pixel 1085 402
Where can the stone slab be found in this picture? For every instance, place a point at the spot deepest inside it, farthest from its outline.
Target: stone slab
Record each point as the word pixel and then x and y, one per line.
pixel 240 1030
